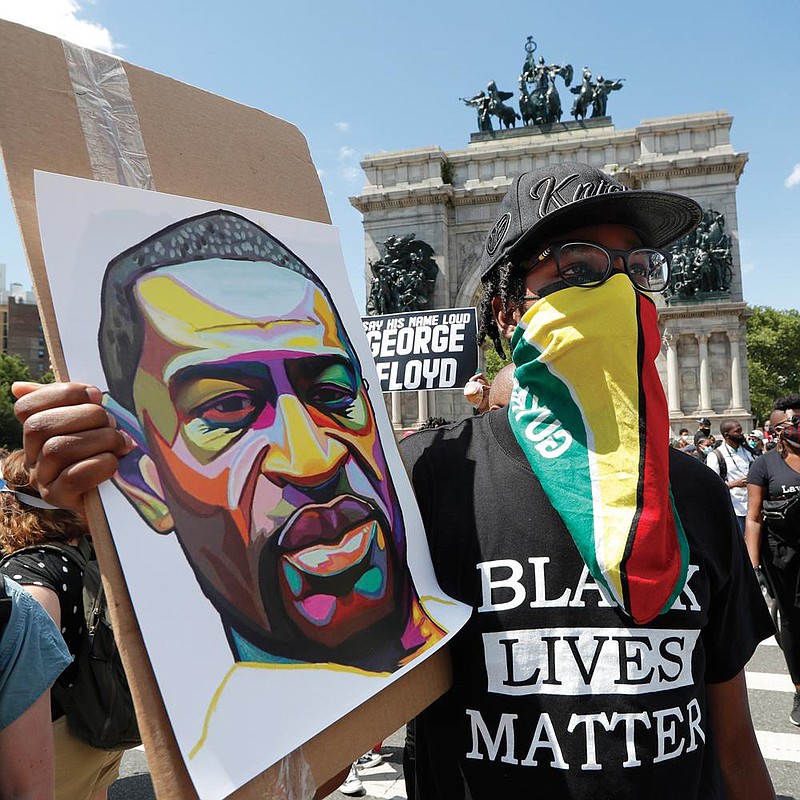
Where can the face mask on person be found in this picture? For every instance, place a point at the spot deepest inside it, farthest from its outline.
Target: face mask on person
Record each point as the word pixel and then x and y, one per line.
pixel 737 438
pixel 585 362
pixel 791 433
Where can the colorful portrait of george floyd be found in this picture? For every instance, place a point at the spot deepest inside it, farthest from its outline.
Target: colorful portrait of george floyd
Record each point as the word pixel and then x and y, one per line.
pixel 228 364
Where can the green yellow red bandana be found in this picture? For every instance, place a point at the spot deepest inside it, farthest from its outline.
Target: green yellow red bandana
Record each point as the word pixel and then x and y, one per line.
pixel 589 411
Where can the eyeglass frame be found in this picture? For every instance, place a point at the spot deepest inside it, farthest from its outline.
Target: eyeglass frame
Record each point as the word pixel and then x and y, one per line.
pixel 554 250
pixel 781 426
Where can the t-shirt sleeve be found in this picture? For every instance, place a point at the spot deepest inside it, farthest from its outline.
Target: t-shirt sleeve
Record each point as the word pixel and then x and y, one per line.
pixel 62 575
pixel 32 655
pixel 33 569
pixel 757 474
pixel 738 617
pixel 712 461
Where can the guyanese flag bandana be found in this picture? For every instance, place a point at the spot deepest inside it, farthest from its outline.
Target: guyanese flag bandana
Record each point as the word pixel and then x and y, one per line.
pixel 589 411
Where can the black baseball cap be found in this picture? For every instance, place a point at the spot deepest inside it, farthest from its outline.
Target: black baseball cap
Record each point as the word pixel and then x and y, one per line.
pixel 705 422
pixel 549 201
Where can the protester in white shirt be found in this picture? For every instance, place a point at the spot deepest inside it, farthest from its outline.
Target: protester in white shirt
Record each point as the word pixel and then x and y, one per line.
pixel 731 461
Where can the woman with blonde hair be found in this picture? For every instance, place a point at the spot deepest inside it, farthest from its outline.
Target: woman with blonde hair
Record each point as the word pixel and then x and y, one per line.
pixel 27 523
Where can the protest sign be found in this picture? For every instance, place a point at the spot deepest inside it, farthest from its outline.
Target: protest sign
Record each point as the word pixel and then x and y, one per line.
pixel 424 350
pixel 294 565
pixel 72 111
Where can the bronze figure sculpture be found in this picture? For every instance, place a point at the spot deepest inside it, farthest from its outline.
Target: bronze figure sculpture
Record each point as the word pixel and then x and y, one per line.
pixel 541 104
pixel 482 105
pixel 702 262
pixel 404 278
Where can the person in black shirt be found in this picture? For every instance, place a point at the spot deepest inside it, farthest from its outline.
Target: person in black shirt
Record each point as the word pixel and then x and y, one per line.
pixel 773 476
pixel 703 430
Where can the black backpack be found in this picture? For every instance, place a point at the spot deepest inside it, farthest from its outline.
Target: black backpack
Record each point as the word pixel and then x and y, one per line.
pixel 723 465
pixel 98 705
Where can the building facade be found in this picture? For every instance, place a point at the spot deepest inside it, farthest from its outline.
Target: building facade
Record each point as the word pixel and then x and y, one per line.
pixel 450 199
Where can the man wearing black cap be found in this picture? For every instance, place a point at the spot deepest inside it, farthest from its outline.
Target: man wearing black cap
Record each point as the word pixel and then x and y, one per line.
pixel 613 610
pixel 703 429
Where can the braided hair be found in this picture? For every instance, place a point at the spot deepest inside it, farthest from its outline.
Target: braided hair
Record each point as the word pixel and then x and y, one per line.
pixel 507 283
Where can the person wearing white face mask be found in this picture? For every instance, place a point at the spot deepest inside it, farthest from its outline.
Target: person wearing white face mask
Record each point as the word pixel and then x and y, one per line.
pixel 756 442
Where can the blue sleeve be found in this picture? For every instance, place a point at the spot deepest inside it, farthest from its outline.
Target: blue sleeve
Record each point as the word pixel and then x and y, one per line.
pixel 32 655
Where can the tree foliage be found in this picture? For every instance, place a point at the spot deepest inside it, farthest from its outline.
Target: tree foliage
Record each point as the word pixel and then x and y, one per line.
pixel 493 363
pixel 773 355
pixel 12 368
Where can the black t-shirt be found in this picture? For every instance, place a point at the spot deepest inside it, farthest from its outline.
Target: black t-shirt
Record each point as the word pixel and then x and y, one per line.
pixel 555 691
pixel 772 473
pixel 780 556
pixel 62 576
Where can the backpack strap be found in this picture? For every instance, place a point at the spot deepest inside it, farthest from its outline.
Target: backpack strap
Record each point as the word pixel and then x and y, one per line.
pixel 86 548
pixel 99 605
pixel 5 606
pixel 723 465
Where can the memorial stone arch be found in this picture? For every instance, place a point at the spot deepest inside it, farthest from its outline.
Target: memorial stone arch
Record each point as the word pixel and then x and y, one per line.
pixel 703 361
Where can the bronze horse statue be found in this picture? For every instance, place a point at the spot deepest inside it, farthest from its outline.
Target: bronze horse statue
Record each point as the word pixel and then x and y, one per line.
pixel 499 109
pixel 532 107
pixel 552 97
pixel 585 94
pixel 506 115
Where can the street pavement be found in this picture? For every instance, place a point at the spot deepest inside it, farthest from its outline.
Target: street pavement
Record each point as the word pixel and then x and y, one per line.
pixel 769 689
pixel 770 692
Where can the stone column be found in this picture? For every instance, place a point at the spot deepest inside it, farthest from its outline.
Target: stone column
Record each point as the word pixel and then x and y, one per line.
pixel 422 405
pixel 705 383
pixel 736 371
pixel 673 392
pixel 397 412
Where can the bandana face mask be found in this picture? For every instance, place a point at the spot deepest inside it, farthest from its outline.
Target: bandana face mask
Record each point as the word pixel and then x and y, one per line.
pixel 589 412
pixel 791 432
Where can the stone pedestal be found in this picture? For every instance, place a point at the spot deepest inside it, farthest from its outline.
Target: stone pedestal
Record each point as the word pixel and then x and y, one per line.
pixel 703 363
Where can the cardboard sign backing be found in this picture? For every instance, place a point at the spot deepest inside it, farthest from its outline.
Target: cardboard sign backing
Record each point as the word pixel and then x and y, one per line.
pixel 195 144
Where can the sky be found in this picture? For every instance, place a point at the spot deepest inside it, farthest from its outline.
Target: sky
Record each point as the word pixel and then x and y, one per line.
pixel 362 77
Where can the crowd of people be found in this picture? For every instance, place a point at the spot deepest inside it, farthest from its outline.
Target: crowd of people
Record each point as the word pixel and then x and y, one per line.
pixel 703 441
pixel 605 653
